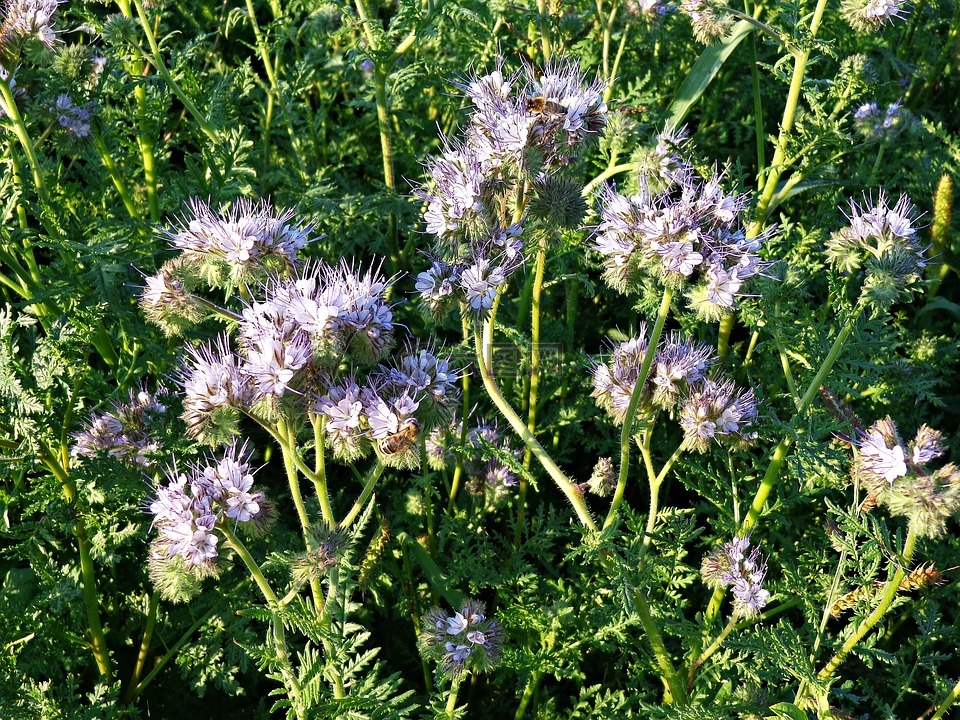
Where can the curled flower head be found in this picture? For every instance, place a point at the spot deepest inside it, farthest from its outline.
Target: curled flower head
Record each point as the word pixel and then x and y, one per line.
pixel 463 642
pixel 731 565
pixel 191 504
pixel 124 432
pixel 343 410
pixel 214 391
pixel 710 22
pixel 716 411
pixel 900 477
pixel 603 479
pixel 871 15
pixel 238 244
pixel 688 235
pixel 167 299
pixel 883 241
pixel 875 124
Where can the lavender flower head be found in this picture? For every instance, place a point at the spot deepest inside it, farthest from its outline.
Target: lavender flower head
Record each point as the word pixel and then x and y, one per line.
pixel 900 477
pixel 215 391
pixel 731 566
pixel 27 18
pixel 464 642
pixel 870 15
pixel 124 432
pixel 876 125
pixel 235 245
pixel 883 241
pixel 688 235
pixel 189 507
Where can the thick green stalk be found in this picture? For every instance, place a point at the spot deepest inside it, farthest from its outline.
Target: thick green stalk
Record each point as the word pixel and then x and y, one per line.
pixel 286 667
pixel 464 416
pixel 947 703
pixel 528 692
pixel 886 600
pixel 779 163
pixel 9 107
pixel 534 392
pixel 365 494
pixel 452 697
pixel 675 690
pixel 91 600
pixel 626 433
pixel 152 604
pixel 484 345
pixel 320 471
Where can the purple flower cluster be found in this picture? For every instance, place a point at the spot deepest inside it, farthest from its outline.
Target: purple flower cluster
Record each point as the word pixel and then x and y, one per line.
pixel 125 432
pixel 473 280
pixel 483 456
pixel 237 244
pixel 521 127
pixel 189 507
pixel 899 476
pixel 875 124
pixel 730 565
pixel 74 119
pixel 709 407
pixel 27 18
pixel 467 641
pixel 388 412
pixel 883 242
pixel 688 234
pixel 291 346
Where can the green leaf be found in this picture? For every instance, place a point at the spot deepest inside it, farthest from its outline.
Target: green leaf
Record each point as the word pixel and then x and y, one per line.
pixel 438 581
pixel 788 711
pixel 703 72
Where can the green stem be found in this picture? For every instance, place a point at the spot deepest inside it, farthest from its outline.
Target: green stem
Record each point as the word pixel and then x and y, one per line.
pixel 606 175
pixel 532 397
pixel 705 655
pixel 98 640
pixel 528 692
pixel 675 691
pixel 947 703
pixel 452 697
pixel 286 667
pixel 780 452
pixel 133 693
pixel 484 346
pixel 464 416
pixel 626 433
pixel 9 107
pixel 117 179
pixel 365 494
pixel 886 600
pixel 320 471
pixel 152 604
pixel 157 61
pixel 779 163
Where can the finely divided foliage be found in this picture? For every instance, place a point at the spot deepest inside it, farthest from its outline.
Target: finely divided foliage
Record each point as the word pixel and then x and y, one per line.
pixel 427 359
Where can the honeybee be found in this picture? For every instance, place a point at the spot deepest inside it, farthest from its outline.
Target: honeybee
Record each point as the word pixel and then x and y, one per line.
pixel 402 439
pixel 542 105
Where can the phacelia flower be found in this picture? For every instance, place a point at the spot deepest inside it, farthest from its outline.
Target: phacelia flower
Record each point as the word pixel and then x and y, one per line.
pixel 689 234
pixel 123 432
pixel 871 15
pixel 731 566
pixel 238 244
pixel 875 124
pixel 883 241
pixel 191 504
pixel 899 476
pixel 464 642
pixel 28 18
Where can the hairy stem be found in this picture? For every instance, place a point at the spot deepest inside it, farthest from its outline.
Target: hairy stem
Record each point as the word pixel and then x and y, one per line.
pixel 626 433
